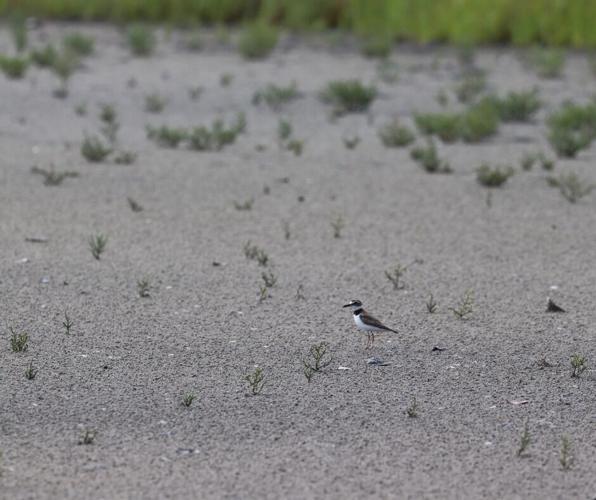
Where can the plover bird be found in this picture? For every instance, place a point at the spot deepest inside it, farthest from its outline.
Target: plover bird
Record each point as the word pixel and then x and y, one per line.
pixel 367 323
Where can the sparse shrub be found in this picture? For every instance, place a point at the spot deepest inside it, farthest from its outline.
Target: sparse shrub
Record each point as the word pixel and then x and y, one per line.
pixel 257 41
pixel 348 96
pixel 167 136
pixel 18 29
pixel 548 62
pixel 572 128
pixel 188 399
pixel 109 117
pixel 52 177
pixel 94 150
pixel 141 40
pixel 269 279
pixel 528 160
pixel 444 125
pixel 125 158
pixel 337 224
pixel 45 57
pixel 565 456
pixel 63 66
pixel 226 79
pixel 284 129
pixel 246 205
pixel 80 44
pixel 154 103
pixel 351 142
pixel 256 381
pixel 31 371
pixel 524 441
pixel 19 342
pixel 134 205
pixel 394 275
pixel 465 307
pixel 214 139
pixel 493 176
pixel 320 359
pixel 431 305
pixel 578 365
pixel 546 163
pixel 412 410
pixel 67 323
pixel 394 135
pixel 275 96
pixel 144 288
pixel 253 252
pixel 295 146
pixel 97 245
pixel 88 437
pixel 472 85
pixel 571 187
pixel 428 158
pixel 14 67
pixel 518 106
pixel 377 46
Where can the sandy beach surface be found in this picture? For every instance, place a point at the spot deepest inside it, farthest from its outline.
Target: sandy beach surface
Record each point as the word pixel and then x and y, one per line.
pixel 128 362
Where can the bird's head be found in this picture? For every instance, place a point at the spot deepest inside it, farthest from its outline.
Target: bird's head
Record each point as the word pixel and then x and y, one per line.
pixel 354 304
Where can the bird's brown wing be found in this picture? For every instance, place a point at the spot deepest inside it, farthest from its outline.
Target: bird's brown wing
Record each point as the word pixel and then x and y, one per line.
pixel 372 321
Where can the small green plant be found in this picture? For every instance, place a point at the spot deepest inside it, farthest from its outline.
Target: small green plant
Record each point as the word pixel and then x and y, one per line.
pixel 571 187
pixel 351 142
pixel 165 136
pixel 52 177
pixel 63 66
pixel 472 85
pixel 19 342
pixel 14 67
pixel 97 245
pixel 31 371
pixel 109 117
pixel 295 146
pixel 87 437
pixel 308 372
pixel 388 71
pixel 548 62
pixel 269 279
pixel 154 103
pixel 348 96
pixel 144 287
pixel 81 109
pixel 188 398
pixel 518 106
pixel 141 40
pixel 320 357
pixel 524 441
pixel 412 410
pixel 256 381
pixel 378 45
pixel 193 42
pixel 218 136
pixel 394 276
pixel 337 225
pixel 94 150
pixel 428 158
pixel 546 163
pixel 80 44
pixel 528 160
pixel 431 305
pixel 246 205
pixel 465 307
pixel 257 40
pixel 444 125
pixel 284 129
pixel 134 205
pixel 394 135
pixel 195 92
pixel 275 96
pixel 67 323
pixel 263 293
pixel 287 231
pixel 226 79
pixel 253 252
pixel 578 365
pixel 442 98
pixel 18 29
pixel 572 128
pixel 125 158
pixel 565 456
pixel 493 176
pixel 44 57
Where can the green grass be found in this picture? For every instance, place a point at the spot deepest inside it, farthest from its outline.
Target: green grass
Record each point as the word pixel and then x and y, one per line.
pixel 80 44
pixel 348 96
pixel 14 67
pixel 572 128
pixel 547 62
pixel 257 40
pixel 518 106
pixel 493 176
pixel 394 135
pixel 276 96
pixel 44 57
pixel 141 40
pixel 429 160
pixel 529 22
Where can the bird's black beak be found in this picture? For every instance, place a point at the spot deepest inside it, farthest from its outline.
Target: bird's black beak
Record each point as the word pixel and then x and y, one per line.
pixel 347 305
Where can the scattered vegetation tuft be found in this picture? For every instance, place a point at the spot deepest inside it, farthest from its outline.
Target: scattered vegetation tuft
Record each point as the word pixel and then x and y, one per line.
pixel 14 67
pixel 572 128
pixel 134 205
pixel 337 224
pixel 144 287
pixel 465 307
pixel 94 150
pixel 19 342
pixel 524 441
pixel 154 103
pixel 31 371
pixel 471 86
pixel 348 96
pixel 188 399
pixel 548 62
pixel 141 40
pixel 52 177
pixel 80 44
pixel 571 187
pixel 412 410
pixel 256 381
pixel 276 96
pixel 394 135
pixel 88 437
pixel 253 252
pixel 493 176
pixel 578 365
pixel 165 136
pixel 428 158
pixel 67 323
pixel 518 106
pixel 257 40
pixel 565 456
pixel 431 305
pixel 394 276
pixel 97 245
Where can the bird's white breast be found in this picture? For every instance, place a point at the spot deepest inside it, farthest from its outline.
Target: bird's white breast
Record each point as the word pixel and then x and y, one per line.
pixel 361 325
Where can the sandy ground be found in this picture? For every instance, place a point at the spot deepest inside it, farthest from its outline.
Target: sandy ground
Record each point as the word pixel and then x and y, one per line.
pixel 129 360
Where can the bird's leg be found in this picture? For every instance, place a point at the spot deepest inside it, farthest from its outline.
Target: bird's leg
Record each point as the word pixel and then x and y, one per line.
pixel 368 344
pixel 372 338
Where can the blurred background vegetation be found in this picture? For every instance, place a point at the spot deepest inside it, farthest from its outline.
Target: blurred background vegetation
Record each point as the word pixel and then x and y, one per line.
pixel 553 22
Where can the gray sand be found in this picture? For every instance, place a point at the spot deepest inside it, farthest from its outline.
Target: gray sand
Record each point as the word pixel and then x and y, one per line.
pixel 129 360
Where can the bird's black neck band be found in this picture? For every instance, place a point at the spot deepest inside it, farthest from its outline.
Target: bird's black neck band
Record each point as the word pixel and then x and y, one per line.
pixel 358 311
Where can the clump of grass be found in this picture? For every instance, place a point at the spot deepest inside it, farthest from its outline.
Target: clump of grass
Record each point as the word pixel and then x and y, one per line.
pixel 444 125
pixel 195 92
pixel 253 252
pixel 431 305
pixel 524 441
pixel 394 135
pixel 88 437
pixel 218 136
pixel 269 279
pixel 428 158
pixel 412 410
pixel 144 287
pixel 548 62
pixel 349 96
pixel 109 117
pixel 518 106
pixel 245 205
pixel 546 163
pixel 395 274
pixel 471 86
pixel 14 67
pixel 226 79
pixel 257 40
pixel 63 66
pixel 256 381
pixel 80 44
pixel 44 57
pixel 295 146
pixel 378 45
pixel 571 187
pixel 578 365
pixel 169 137
pixel 31 371
pixel 67 323
pixel 52 177
pixel 94 150
pixel 125 158
pixel 284 129
pixel 319 359
pixel 188 399
pixel 337 224
pixel 193 42
pixel 351 142
pixel 141 40
pixel 565 456
pixel 465 306
pixel 276 96
pixel 18 29
pixel 493 176
pixel 572 128
pixel 528 160
pixel 154 103
pixel 388 71
pixel 19 342
pixel 134 205
pixel 97 245
pixel 263 293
